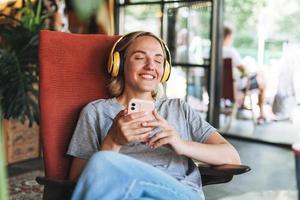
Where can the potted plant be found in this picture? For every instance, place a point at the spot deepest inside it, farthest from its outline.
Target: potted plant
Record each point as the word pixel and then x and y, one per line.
pixel 18 63
pixel 19 70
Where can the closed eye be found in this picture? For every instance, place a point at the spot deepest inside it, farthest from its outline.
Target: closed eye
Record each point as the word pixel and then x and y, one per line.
pixel 158 61
pixel 139 56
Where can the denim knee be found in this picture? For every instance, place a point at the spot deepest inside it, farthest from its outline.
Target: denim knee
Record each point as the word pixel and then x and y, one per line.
pixel 100 156
pixel 104 159
pixel 104 155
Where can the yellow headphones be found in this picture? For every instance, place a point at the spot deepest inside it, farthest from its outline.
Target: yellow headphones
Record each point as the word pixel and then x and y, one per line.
pixel 116 59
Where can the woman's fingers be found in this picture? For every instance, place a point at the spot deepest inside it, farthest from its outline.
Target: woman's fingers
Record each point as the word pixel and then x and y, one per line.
pixel 138 119
pixel 140 131
pixel 151 124
pixel 138 123
pixel 139 137
pixel 159 122
pixel 135 125
pixel 138 134
pixel 157 116
pixel 138 126
pixel 137 115
pixel 157 137
pixel 142 137
pixel 134 129
pixel 161 142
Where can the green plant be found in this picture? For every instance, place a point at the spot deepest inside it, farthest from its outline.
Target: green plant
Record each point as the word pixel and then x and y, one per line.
pixel 18 63
pixel 19 73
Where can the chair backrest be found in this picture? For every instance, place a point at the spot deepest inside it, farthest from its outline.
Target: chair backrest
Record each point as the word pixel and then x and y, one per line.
pixel 72 73
pixel 228 81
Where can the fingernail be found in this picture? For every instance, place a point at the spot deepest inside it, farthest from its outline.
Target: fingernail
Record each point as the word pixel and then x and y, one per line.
pixel 144 123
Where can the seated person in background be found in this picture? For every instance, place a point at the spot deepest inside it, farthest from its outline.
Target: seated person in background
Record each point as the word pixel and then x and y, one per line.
pixel 245 81
pixel 114 155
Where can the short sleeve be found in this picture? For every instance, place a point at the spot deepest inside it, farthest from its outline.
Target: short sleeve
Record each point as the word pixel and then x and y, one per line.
pixel 198 129
pixel 236 58
pixel 230 52
pixel 84 142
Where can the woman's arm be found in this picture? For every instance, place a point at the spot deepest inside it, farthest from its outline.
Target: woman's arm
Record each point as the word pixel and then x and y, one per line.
pixel 215 151
pixel 76 168
pixel 125 129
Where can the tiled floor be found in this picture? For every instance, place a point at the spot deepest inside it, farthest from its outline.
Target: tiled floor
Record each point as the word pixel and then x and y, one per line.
pixel 272 169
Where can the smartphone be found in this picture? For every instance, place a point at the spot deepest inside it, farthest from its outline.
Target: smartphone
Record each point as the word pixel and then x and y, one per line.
pixel 138 105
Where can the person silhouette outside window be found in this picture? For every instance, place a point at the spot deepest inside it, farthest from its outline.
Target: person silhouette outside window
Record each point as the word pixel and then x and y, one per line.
pixel 245 81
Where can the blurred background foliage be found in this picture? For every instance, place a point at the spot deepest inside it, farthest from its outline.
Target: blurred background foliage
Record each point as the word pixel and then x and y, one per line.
pixel 279 19
pixel 19 62
pixel 87 9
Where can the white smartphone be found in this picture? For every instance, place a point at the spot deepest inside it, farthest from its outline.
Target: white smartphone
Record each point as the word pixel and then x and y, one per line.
pixel 138 105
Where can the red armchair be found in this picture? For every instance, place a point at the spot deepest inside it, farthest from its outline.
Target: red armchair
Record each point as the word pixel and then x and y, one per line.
pixel 72 73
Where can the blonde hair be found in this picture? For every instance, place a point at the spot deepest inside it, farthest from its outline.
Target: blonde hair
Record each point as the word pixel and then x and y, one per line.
pixel 116 84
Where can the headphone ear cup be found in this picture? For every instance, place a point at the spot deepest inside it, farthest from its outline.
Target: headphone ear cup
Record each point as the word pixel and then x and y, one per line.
pixel 167 72
pixel 110 64
pixel 115 65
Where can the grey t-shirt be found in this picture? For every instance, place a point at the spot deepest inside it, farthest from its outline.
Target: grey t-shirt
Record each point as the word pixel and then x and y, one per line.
pixel 96 119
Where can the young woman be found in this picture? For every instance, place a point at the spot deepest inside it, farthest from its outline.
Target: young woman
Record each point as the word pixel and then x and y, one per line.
pixel 113 152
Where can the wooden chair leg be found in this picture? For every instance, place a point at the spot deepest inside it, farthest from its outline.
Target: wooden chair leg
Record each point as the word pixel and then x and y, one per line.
pixel 252 110
pixel 53 193
pixel 56 189
pixel 233 115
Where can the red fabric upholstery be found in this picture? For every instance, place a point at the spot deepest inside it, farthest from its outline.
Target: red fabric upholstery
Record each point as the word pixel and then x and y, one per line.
pixel 72 73
pixel 227 86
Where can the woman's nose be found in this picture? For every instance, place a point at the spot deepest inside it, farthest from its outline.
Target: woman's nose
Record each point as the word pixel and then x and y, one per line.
pixel 150 64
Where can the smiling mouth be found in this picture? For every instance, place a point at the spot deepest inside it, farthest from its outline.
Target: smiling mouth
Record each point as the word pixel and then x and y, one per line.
pixel 147 76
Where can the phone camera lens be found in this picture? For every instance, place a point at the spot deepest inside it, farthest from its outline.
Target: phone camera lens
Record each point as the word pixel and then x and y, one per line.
pixel 132 104
pixel 132 108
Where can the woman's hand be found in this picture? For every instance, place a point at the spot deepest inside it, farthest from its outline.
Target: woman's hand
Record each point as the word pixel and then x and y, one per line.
pixel 167 136
pixel 128 127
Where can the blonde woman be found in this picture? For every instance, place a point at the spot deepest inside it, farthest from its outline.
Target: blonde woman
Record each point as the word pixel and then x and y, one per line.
pixel 115 156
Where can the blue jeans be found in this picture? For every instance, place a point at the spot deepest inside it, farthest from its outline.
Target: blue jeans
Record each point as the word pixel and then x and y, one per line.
pixel 113 176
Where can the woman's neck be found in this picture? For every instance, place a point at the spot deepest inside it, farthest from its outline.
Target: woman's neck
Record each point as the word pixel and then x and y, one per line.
pixel 126 97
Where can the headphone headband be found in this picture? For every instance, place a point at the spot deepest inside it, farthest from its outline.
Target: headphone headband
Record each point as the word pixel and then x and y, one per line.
pixel 115 57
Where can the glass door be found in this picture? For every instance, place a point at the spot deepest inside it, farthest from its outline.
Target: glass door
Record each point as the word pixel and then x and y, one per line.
pixel 186 26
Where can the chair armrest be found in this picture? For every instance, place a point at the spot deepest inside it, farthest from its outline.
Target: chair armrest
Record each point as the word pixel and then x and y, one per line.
pixel 226 169
pixel 56 189
pixel 55 183
pixel 214 174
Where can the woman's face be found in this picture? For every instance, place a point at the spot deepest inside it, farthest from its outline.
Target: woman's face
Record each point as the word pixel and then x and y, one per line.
pixel 143 65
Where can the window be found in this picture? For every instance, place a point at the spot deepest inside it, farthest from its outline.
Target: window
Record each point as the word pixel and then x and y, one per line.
pixel 186 28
